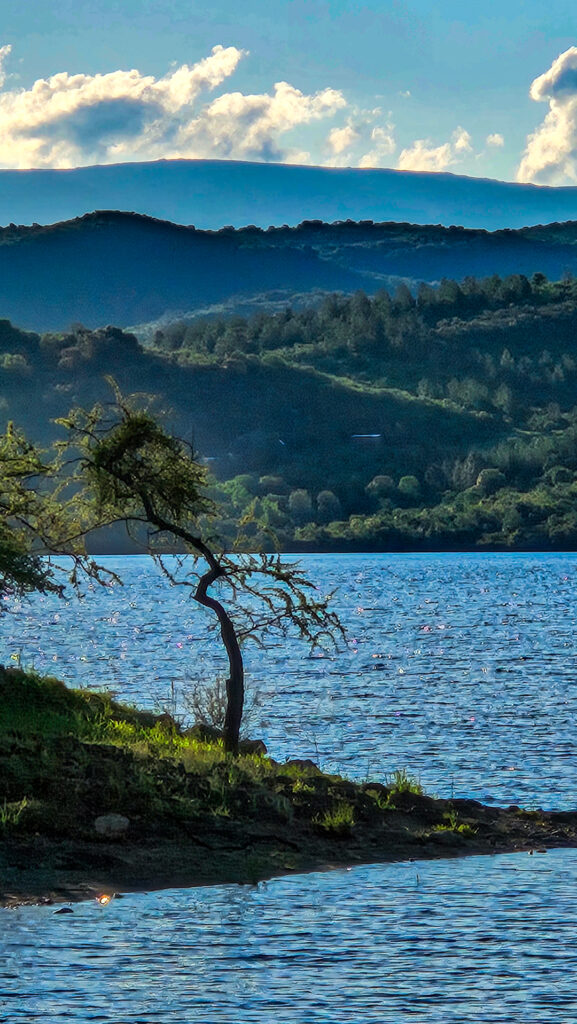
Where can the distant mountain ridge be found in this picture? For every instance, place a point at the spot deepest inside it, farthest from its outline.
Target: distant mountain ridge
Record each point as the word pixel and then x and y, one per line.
pixel 126 269
pixel 213 193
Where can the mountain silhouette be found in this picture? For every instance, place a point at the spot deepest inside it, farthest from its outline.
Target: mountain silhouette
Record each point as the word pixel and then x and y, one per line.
pixel 213 193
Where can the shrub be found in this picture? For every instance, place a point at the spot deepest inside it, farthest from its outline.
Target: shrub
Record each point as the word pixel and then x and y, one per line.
pixel 410 487
pixel 490 480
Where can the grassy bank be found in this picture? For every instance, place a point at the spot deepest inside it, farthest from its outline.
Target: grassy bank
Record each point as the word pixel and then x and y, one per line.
pixel 187 813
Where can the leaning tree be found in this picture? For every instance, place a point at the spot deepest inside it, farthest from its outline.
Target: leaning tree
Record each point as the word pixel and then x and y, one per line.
pixel 120 466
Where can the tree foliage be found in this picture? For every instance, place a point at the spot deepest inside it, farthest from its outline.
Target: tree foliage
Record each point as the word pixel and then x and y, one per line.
pixel 23 518
pixel 127 469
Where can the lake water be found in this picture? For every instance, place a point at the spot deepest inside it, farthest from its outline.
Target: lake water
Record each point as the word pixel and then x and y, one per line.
pixel 461 668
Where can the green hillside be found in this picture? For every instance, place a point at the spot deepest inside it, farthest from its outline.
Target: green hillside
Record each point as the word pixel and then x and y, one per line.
pixel 448 419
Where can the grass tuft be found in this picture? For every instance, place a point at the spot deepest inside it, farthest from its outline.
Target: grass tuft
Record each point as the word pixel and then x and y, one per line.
pixel 451 823
pixel 339 819
pixel 10 813
pixel 401 782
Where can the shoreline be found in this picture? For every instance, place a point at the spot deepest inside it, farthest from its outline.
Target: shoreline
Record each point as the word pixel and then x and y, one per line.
pixel 48 870
pixel 97 796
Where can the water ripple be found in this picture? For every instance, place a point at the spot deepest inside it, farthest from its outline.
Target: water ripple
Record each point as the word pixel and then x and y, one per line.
pixel 460 667
pixel 488 939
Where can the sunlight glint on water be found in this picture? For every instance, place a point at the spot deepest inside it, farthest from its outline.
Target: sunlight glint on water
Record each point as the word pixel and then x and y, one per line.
pixel 461 668
pixel 481 939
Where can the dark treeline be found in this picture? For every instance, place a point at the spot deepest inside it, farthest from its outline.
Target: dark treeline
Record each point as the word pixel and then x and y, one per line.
pixel 445 418
pixel 120 268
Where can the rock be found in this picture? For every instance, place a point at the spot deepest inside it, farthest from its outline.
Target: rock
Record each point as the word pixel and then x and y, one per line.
pixel 204 733
pixel 376 787
pixel 111 825
pixel 252 747
pixel 210 734
pixel 303 763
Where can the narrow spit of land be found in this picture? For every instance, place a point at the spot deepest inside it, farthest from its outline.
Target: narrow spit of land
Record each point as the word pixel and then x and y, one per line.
pixel 97 797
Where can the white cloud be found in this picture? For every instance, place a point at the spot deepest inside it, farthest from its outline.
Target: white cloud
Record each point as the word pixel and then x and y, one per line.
pixel 248 126
pixel 496 139
pixel 341 139
pixel 71 120
pixel 382 143
pixel 365 140
pixel 5 52
pixel 461 141
pixel 423 156
pixel 551 153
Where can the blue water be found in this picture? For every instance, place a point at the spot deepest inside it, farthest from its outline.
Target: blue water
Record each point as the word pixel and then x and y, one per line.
pixel 462 669
pixel 482 939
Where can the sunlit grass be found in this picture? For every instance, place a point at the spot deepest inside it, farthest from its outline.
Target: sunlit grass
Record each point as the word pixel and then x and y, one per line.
pixel 401 781
pixel 339 818
pixel 108 757
pixel 10 813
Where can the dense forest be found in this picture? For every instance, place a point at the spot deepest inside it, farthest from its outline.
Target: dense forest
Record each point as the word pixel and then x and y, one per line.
pixel 441 419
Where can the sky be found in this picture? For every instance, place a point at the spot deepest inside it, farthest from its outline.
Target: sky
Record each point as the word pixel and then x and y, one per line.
pixel 487 90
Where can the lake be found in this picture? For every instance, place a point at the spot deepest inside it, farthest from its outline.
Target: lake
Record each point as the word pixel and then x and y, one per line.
pixel 460 668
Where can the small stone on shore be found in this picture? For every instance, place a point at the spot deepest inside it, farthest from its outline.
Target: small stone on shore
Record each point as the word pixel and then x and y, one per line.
pixel 112 825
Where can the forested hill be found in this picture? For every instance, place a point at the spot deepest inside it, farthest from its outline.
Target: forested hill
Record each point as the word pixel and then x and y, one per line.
pixel 210 193
pixel 445 420
pixel 127 269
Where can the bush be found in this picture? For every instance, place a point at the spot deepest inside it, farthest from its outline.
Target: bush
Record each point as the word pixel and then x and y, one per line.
pixel 300 506
pixel 490 480
pixel 328 506
pixel 410 487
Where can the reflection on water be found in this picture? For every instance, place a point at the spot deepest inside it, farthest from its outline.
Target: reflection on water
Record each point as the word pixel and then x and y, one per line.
pixel 462 668
pixel 486 939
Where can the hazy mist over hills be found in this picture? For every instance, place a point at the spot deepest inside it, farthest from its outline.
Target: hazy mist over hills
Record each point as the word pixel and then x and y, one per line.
pixel 128 270
pixel 213 193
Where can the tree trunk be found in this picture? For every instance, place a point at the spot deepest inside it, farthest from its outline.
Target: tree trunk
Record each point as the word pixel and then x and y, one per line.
pixel 235 681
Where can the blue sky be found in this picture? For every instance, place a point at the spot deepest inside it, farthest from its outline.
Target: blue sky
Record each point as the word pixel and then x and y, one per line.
pixel 394 84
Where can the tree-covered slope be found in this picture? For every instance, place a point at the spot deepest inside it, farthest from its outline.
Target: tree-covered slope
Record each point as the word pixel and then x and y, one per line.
pixel 443 420
pixel 128 270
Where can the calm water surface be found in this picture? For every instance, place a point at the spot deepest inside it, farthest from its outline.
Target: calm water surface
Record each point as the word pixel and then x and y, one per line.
pixel 461 668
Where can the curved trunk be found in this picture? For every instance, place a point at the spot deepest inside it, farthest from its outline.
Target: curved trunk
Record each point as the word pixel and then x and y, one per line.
pixel 235 681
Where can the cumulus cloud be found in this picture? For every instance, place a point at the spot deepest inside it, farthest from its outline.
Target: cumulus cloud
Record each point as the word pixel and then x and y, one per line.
pixel 71 120
pixel 382 145
pixel 423 156
pixel 365 140
pixel 496 139
pixel 342 139
pixel 248 126
pixel 551 153
pixel 5 52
